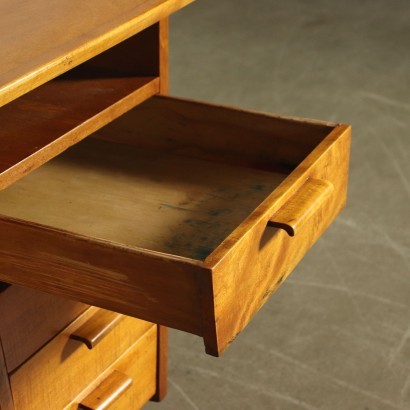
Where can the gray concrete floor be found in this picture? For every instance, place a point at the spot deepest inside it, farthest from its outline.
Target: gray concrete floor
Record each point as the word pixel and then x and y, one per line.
pixel 337 333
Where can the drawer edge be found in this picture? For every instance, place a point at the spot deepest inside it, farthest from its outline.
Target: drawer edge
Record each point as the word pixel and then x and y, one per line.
pixel 253 266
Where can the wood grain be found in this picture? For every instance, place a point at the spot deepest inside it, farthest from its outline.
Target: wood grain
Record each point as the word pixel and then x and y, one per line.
pixel 140 198
pixel 213 293
pixel 306 201
pixel 29 57
pixel 254 260
pixel 162 332
pixel 96 328
pixel 64 367
pixel 219 133
pixel 152 286
pixel 59 114
pixel 110 389
pixel 27 311
pixel 164 55
pixel 162 364
pixel 139 364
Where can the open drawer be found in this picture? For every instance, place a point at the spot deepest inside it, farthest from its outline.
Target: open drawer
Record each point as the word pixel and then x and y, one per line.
pixel 180 213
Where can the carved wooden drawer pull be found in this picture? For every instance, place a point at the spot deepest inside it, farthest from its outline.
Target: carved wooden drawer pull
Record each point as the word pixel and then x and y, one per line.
pixel 96 328
pixel 107 392
pixel 306 201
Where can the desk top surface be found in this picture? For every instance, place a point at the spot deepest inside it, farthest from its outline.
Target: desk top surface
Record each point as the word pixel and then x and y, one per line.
pixel 40 39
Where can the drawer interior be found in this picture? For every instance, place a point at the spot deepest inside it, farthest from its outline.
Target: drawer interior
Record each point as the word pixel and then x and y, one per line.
pixel 163 214
pixel 139 197
pixel 161 194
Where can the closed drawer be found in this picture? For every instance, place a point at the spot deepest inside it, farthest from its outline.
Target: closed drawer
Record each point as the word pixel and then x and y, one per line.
pixel 179 213
pixel 60 371
pixel 128 384
pixel 31 312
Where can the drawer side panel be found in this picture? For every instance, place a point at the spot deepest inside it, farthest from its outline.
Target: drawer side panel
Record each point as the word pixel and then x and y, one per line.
pixel 255 266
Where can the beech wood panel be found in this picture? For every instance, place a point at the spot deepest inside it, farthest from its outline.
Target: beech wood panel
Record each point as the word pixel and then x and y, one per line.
pixel 139 364
pixel 45 122
pixel 29 312
pixel 64 367
pixel 33 52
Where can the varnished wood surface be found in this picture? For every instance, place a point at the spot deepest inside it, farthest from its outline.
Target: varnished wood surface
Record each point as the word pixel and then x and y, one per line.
pixel 219 133
pixel 48 120
pixel 162 364
pixel 140 198
pixel 96 328
pixel 139 364
pixel 64 367
pixel 33 52
pixel 307 200
pixel 212 293
pixel 255 260
pixel 30 312
pixel 110 389
pixel 163 47
pixel 149 285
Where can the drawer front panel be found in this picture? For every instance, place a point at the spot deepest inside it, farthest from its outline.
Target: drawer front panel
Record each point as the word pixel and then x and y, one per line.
pixel 129 383
pixel 65 367
pixel 30 312
pixel 260 261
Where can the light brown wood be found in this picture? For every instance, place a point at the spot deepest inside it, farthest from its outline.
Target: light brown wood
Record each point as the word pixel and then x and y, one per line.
pixel 254 261
pixel 162 364
pixel 219 133
pixel 30 312
pixel 6 399
pixel 107 392
pixel 131 267
pixel 64 367
pixel 139 364
pixel 140 198
pixel 307 200
pixel 145 284
pixel 162 332
pixel 45 122
pixel 164 55
pixel 33 52
pixel 96 328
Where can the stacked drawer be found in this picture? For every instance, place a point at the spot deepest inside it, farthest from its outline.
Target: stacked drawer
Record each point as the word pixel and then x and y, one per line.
pixel 61 354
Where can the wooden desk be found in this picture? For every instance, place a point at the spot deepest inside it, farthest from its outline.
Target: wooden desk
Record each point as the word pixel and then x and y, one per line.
pixel 170 213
